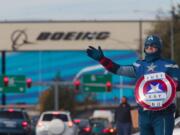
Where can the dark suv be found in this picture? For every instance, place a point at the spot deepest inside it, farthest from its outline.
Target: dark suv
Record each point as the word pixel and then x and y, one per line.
pixel 15 122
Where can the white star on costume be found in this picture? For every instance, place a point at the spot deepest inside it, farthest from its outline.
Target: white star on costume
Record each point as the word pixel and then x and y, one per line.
pixel 150 38
pixel 154 88
pixel 151 67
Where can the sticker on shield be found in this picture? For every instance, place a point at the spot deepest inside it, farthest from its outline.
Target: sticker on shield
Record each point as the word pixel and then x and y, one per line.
pixel 155 91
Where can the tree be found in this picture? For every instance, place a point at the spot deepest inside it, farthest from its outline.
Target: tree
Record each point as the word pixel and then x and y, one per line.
pixel 163 29
pixel 66 97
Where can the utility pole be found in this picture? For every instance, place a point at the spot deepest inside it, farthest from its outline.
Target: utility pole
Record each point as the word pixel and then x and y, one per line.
pixel 56 96
pixel 3 97
pixel 172 32
pixel 140 40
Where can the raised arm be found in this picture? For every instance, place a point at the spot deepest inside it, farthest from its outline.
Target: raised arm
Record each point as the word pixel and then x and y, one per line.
pixel 97 54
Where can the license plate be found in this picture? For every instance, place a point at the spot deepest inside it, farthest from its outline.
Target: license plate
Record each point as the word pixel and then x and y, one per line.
pixel 10 124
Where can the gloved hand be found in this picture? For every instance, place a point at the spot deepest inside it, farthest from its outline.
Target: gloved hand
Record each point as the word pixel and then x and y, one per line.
pixel 96 54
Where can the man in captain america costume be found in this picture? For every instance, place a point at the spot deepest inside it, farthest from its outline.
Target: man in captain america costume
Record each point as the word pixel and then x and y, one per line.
pixel 156 104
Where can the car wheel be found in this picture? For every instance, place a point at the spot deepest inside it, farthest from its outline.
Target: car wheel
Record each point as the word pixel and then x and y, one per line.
pixel 56 126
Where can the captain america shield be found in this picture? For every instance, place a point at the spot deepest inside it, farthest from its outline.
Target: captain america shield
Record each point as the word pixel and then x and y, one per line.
pixel 155 91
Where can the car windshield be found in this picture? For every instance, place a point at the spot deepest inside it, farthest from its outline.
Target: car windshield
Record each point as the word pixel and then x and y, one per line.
pixel 105 121
pixel 49 117
pixel 11 115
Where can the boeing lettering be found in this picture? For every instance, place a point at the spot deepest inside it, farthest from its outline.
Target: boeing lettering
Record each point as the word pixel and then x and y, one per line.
pixel 73 36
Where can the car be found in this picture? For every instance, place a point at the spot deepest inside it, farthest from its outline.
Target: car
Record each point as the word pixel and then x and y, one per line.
pixel 177 126
pixel 56 123
pixel 176 130
pixel 15 121
pixel 84 126
pixel 108 114
pixel 102 126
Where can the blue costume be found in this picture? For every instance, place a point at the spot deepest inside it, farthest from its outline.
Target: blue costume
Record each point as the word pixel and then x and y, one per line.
pixel 150 122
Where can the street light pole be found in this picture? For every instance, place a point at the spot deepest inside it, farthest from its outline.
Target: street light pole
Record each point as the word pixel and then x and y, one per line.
pixel 56 96
pixel 172 32
pixel 140 40
pixel 3 97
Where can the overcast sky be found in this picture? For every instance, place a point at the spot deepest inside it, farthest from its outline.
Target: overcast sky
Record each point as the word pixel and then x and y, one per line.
pixel 84 9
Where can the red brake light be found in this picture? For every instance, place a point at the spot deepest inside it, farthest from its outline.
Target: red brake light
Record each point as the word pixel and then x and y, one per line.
pixel 111 130
pixel 24 124
pixel 10 110
pixel 77 121
pixel 105 130
pixel 87 129
pixel 70 124
pixel 55 113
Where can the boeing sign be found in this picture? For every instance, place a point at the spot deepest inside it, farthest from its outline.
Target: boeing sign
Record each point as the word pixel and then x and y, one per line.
pixel 39 36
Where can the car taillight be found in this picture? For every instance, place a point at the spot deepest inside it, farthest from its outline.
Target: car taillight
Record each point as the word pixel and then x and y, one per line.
pixel 87 129
pixel 10 110
pixel 24 124
pixel 106 130
pixel 55 113
pixel 77 121
pixel 70 124
pixel 40 124
pixel 111 130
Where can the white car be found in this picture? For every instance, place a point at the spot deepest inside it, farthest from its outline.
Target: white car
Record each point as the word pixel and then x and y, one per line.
pixel 56 123
pixel 106 114
pixel 177 127
pixel 176 130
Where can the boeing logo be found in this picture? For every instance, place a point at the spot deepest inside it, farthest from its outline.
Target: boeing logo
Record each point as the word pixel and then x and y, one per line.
pixel 19 38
